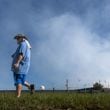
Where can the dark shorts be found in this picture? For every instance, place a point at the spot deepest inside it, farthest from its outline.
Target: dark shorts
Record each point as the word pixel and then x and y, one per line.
pixel 19 78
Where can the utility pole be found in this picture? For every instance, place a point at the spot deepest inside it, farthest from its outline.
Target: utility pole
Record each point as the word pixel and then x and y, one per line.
pixel 67 86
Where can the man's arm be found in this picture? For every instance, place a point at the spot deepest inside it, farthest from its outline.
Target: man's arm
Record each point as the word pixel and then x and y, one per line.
pixel 22 51
pixel 19 59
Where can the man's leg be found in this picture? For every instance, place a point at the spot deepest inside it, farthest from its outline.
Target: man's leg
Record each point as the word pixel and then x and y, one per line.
pixel 27 84
pixel 30 86
pixel 18 89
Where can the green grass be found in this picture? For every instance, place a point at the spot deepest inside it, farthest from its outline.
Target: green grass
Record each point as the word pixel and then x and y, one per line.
pixel 55 101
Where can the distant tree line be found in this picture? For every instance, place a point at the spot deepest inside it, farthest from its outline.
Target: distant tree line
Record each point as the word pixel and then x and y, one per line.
pixel 97 86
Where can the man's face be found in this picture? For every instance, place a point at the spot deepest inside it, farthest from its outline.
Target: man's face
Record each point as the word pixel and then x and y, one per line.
pixel 19 40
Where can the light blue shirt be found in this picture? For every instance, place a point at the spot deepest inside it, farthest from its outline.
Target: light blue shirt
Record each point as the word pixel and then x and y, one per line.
pixel 25 63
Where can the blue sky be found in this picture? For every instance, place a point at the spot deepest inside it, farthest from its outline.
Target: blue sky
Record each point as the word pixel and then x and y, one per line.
pixel 70 40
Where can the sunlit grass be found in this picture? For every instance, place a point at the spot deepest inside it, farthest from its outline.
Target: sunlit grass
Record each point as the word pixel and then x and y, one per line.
pixel 55 101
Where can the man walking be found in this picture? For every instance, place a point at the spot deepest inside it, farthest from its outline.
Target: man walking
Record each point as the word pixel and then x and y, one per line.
pixel 21 63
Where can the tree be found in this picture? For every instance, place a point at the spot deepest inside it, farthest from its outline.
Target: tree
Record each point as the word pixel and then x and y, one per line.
pixel 97 86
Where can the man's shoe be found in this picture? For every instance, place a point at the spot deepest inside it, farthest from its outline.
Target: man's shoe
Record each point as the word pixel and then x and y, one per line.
pixel 32 88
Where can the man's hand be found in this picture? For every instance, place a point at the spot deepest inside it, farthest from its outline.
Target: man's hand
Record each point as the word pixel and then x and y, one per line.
pixel 16 65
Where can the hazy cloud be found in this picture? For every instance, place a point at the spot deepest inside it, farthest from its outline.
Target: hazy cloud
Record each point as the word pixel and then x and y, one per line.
pixel 71 51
